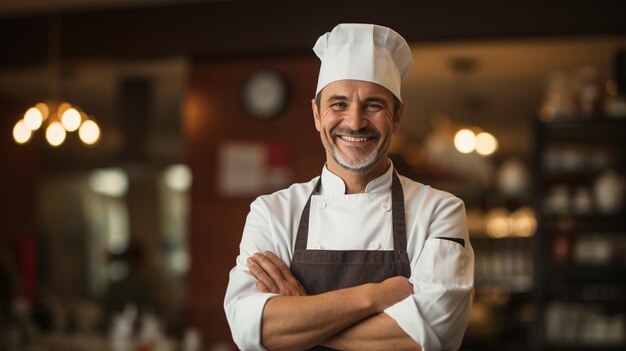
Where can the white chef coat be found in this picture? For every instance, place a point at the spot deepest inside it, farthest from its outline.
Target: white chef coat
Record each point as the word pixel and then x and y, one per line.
pixel 442 271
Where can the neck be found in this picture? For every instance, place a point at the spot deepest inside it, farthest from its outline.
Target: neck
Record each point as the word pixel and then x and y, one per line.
pixel 357 182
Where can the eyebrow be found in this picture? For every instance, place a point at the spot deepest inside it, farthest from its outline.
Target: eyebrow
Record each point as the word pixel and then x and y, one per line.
pixel 379 100
pixel 334 98
pixel 371 99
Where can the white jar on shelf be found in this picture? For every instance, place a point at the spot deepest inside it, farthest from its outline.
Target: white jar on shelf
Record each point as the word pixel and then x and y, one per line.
pixel 608 192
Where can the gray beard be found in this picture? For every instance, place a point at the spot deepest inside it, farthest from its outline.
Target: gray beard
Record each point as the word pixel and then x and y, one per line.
pixel 361 165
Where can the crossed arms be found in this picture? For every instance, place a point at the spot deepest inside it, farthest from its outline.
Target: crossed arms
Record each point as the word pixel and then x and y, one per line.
pixel 345 319
pixel 267 308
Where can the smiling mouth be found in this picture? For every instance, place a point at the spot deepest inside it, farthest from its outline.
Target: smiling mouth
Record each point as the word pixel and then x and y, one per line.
pixel 355 136
pixel 354 139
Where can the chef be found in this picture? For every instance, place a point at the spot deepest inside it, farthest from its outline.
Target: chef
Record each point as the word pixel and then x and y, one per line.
pixel 360 257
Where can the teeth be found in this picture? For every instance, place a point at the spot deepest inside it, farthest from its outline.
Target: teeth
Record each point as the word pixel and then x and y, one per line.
pixel 349 138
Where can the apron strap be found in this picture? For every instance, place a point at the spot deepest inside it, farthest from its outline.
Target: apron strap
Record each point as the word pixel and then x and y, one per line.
pixel 302 236
pixel 398 218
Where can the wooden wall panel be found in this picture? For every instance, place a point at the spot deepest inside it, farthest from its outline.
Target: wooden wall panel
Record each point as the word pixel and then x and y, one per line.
pixel 18 181
pixel 213 115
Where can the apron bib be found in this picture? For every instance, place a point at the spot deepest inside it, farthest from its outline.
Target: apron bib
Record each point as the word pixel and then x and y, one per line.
pixel 320 271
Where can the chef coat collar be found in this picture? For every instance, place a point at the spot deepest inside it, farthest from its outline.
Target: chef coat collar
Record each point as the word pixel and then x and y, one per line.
pixel 333 184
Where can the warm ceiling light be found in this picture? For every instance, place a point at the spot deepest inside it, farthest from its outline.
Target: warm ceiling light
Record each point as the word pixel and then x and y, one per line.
pixel 89 132
pixel 57 116
pixel 43 108
pixel 71 119
pixel 55 134
pixel 499 223
pixel 62 108
pixel 465 141
pixel 52 116
pixel 33 118
pixel 21 133
pixel 524 222
pixel 486 144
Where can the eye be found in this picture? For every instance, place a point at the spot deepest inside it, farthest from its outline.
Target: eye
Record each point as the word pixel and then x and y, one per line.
pixel 373 107
pixel 339 106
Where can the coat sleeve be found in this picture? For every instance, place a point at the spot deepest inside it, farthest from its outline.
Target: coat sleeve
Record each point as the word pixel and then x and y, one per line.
pixel 243 303
pixel 442 274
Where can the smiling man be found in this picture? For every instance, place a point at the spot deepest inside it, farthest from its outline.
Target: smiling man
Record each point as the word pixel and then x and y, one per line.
pixel 358 258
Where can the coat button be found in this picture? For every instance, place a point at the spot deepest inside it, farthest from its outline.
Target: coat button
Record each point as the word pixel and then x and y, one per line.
pixel 374 245
pixel 386 207
pixel 321 204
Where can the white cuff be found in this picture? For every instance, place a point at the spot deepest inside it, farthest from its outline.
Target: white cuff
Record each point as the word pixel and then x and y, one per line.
pixel 248 323
pixel 408 317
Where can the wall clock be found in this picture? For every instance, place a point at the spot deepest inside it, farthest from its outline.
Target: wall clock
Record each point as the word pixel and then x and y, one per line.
pixel 265 94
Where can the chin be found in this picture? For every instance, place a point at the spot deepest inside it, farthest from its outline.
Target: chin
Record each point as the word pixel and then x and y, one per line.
pixel 362 165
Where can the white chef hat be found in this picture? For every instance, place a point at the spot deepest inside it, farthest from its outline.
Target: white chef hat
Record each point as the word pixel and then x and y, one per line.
pixel 363 52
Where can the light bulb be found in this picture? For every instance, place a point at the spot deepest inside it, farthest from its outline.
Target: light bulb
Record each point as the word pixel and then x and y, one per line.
pixel 89 132
pixel 499 223
pixel 55 134
pixel 71 119
pixel 524 222
pixel 43 108
pixel 33 118
pixel 62 107
pixel 465 141
pixel 21 133
pixel 486 144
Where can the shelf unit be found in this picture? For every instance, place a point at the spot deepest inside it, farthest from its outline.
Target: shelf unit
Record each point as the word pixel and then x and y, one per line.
pixel 579 258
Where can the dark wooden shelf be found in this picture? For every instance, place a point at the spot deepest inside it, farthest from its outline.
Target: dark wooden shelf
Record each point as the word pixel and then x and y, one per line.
pixel 573 273
pixel 578 130
pixel 609 296
pixel 601 286
pixel 581 177
pixel 593 222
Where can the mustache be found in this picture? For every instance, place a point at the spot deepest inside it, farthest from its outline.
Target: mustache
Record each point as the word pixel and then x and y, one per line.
pixel 363 132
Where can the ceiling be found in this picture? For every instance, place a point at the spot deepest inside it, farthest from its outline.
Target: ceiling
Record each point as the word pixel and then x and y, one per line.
pixel 21 7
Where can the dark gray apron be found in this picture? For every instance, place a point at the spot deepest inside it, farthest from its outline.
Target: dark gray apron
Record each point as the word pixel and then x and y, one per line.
pixel 320 271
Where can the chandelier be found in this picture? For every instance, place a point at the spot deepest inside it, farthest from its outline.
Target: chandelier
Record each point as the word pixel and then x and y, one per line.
pixel 473 138
pixel 58 119
pixel 55 116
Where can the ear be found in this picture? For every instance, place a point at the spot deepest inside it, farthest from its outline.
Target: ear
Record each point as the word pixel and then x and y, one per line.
pixel 316 115
pixel 396 121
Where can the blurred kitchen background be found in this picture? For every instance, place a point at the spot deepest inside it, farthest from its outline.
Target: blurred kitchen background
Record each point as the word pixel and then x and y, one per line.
pixel 121 211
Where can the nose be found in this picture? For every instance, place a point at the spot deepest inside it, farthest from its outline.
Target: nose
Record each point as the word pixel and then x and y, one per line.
pixel 355 117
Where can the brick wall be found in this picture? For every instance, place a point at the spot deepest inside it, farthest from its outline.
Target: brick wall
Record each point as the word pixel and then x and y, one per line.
pixel 18 180
pixel 213 115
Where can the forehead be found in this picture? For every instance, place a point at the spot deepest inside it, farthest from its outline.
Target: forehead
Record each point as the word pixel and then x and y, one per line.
pixel 356 88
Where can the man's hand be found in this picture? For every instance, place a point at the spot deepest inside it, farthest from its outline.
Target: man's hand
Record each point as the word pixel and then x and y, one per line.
pixel 273 275
pixel 393 290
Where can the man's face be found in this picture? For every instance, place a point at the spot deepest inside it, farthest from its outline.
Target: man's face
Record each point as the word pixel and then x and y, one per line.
pixel 355 120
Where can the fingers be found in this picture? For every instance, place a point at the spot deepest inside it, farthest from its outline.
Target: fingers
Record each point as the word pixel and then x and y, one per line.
pixel 262 277
pixel 274 275
pixel 282 267
pixel 272 266
pixel 288 285
pixel 262 288
pixel 393 290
